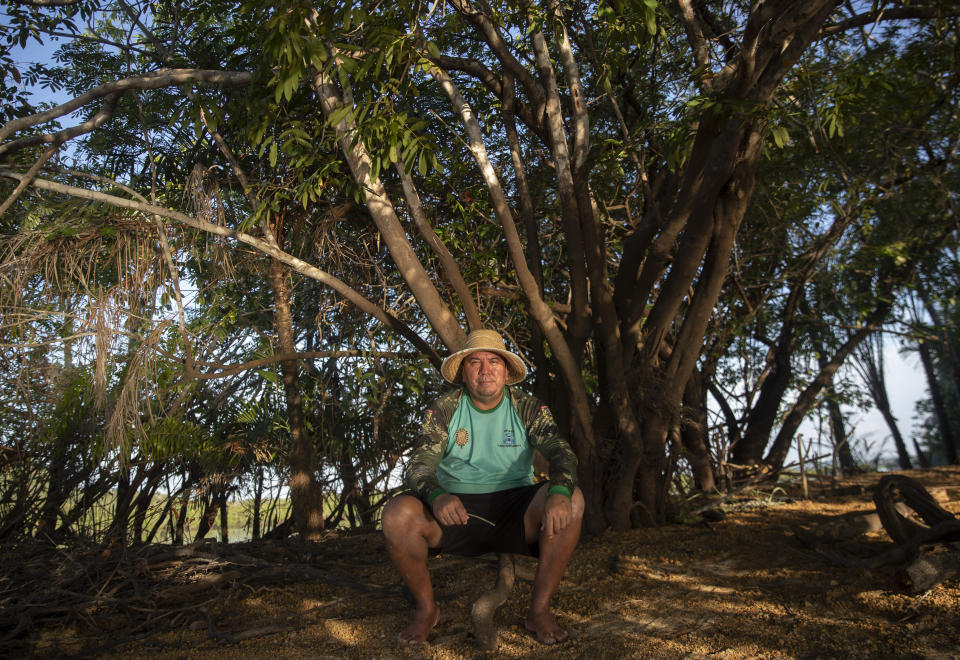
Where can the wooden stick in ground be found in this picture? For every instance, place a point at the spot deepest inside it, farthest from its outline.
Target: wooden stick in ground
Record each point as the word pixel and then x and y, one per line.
pixel 484 628
pixel 803 467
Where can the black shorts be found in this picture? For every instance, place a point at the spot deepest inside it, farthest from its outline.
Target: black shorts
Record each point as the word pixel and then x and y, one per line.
pixel 494 524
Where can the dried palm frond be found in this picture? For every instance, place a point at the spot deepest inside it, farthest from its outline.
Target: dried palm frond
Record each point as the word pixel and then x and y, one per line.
pixel 206 199
pixel 126 419
pixel 82 278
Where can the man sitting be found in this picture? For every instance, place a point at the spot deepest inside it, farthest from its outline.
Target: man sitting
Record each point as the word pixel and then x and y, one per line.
pixel 473 486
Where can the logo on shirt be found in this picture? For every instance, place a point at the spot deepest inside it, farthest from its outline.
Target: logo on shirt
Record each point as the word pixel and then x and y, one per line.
pixel 462 437
pixel 545 414
pixel 509 440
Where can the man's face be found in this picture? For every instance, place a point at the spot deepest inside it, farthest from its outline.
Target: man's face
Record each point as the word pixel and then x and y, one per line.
pixel 485 375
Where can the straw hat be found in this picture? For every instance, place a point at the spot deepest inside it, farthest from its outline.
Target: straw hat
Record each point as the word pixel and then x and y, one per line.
pixel 484 340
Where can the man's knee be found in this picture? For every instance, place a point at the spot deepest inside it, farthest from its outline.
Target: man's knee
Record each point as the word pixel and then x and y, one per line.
pixel 401 515
pixel 579 505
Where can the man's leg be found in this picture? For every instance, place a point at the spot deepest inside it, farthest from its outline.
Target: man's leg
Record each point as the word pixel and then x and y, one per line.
pixel 411 531
pixel 555 553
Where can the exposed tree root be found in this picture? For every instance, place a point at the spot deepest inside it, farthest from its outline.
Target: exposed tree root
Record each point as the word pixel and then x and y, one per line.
pixel 151 590
pixel 926 536
pixel 484 627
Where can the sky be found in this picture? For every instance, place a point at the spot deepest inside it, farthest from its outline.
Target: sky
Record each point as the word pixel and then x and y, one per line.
pixel 906 384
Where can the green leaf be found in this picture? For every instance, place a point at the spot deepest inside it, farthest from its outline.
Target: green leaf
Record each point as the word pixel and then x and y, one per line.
pixel 269 376
pixel 651 23
pixel 338 115
pixel 781 137
pixel 273 154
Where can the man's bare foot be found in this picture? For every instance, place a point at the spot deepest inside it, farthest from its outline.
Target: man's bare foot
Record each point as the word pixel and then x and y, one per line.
pixel 545 628
pixel 420 626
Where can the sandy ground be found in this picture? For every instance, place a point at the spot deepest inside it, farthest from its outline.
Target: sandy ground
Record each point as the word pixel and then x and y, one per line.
pixel 742 587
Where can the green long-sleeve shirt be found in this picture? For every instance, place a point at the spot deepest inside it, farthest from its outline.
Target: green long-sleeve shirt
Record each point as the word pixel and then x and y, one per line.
pixel 542 435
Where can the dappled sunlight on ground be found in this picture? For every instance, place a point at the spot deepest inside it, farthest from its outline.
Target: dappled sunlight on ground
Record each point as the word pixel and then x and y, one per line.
pixel 738 588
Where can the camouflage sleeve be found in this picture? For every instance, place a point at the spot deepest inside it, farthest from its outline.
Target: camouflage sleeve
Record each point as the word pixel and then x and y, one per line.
pixel 420 474
pixel 545 437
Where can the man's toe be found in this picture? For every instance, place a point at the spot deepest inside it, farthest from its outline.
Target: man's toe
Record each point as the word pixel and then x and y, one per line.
pixel 554 637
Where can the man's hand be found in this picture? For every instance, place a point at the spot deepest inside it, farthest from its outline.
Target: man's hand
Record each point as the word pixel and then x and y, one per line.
pixel 557 514
pixel 449 510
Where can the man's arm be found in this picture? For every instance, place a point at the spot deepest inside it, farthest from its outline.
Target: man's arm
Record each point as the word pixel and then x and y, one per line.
pixel 544 436
pixel 420 474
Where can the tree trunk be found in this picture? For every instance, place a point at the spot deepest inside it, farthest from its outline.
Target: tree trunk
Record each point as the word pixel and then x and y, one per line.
pixel 936 395
pixel 257 503
pixel 764 413
pixel 144 499
pixel 781 444
pixel 838 430
pixel 306 498
pixel 56 491
pixel 903 457
pixel 838 433
pixel 121 509
pixel 949 348
pixel 165 514
pixel 619 495
pixel 224 517
pixel 693 434
pixel 208 515
pixel 648 467
pixel 181 523
pixel 872 361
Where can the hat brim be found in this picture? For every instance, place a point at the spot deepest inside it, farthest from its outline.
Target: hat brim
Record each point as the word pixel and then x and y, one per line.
pixel 450 368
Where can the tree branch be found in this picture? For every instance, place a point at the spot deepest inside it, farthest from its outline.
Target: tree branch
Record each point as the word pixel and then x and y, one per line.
pixel 538 307
pixel 701 52
pixel 498 45
pixel 96 121
pixel 384 215
pixel 153 80
pixel 31 174
pixel 567 193
pixel 222 371
pixel 302 267
pixel 415 207
pixel 241 177
pixel 891 14
pixel 508 101
pixel 581 118
pixel 48 3
pixel 532 119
